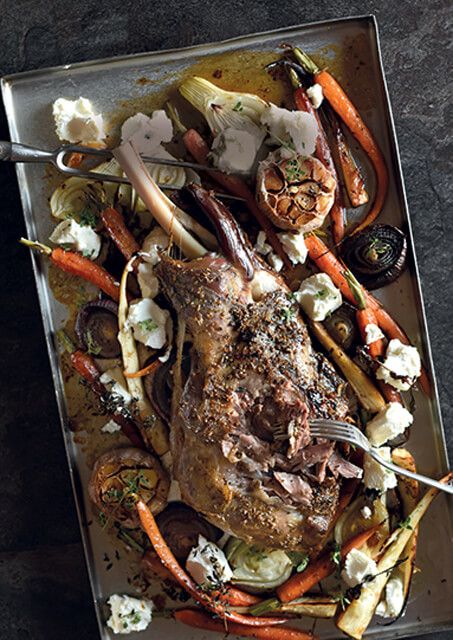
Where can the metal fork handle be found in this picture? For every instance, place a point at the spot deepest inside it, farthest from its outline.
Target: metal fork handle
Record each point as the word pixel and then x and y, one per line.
pixel 447 488
pixel 15 152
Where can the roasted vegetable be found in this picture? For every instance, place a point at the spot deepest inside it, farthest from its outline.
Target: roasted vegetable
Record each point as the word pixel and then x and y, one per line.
pixel 295 193
pixel 119 476
pixel 312 606
pixel 352 521
pixel 97 328
pixel 356 618
pixel 256 568
pixel 340 102
pixel 367 394
pixel 366 318
pixel 342 327
pixel 167 558
pixel 181 525
pixel 377 255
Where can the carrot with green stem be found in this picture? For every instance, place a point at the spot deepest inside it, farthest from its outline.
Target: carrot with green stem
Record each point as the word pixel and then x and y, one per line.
pixel 77 265
pixel 365 316
pixel 343 106
pixel 323 153
pixel 199 150
pixel 324 566
pixel 169 561
pixel 201 620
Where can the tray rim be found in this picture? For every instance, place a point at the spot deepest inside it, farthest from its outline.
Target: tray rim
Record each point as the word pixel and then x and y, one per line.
pixel 6 83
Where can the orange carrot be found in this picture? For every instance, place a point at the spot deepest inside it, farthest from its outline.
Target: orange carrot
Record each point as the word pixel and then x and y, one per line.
pixel 237 598
pixel 323 153
pixel 169 561
pixel 364 315
pixel 199 150
pixel 343 106
pixel 119 233
pixel 200 620
pixel 85 366
pixel 300 583
pixel 390 393
pixel 77 265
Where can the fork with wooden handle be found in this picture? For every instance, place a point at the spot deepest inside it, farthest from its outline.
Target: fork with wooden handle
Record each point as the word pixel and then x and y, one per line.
pixel 344 432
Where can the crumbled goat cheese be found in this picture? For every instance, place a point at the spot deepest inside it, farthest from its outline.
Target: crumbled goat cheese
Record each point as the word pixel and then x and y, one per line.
pixel 375 475
pixel 263 282
pixel 391 605
pixel 294 129
pixel 366 512
pixel 234 150
pixel 115 383
pixel 111 427
pixel 388 423
pixel 318 296
pixel 207 564
pixel 78 237
pixel 401 367
pixel 148 322
pixel 316 95
pixel 372 333
pixel 129 614
pixel 357 566
pixel 77 121
pixel 294 246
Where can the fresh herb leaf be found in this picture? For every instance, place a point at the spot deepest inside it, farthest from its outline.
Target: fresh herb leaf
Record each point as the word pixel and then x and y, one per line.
pixel 342 599
pixel 322 294
pixel 93 347
pixel 238 106
pixel 336 555
pixel 148 325
pixel 406 524
pixel 293 171
pixel 88 218
pixel 288 313
pixel 136 619
pixel 87 254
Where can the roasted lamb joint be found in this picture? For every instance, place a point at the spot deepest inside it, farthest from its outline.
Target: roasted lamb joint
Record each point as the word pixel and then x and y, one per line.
pixel 240 437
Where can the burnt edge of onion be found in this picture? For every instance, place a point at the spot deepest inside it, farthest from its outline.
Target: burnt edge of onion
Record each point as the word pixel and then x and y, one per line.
pixel 83 316
pixel 376 275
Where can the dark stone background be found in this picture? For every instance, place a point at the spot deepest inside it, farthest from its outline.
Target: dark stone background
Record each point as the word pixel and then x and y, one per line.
pixel 44 592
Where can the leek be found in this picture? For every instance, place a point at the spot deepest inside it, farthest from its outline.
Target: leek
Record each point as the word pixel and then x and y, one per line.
pixel 163 210
pixel 223 109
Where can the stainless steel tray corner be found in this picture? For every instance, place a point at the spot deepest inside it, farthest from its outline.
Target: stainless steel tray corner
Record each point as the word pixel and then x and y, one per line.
pixel 28 96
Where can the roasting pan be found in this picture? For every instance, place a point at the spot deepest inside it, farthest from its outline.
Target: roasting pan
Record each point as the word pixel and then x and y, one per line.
pixel 110 83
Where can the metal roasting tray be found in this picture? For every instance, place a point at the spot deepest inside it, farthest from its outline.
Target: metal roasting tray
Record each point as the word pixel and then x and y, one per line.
pixel 108 83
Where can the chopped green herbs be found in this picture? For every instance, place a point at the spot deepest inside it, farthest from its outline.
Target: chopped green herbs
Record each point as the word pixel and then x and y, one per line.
pixel 88 218
pixel 238 106
pixel 93 347
pixel 322 294
pixel 293 171
pixel 148 325
pixel 336 555
pixel 288 313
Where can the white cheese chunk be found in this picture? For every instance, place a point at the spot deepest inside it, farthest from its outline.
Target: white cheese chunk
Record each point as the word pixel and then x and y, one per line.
pixel 401 367
pixel 388 423
pixel 261 246
pixel 391 605
pixel 77 121
pixel 366 512
pixel 115 383
pixel 316 95
pixel 111 427
pixel 146 135
pixel 318 296
pixel 207 564
pixel 275 261
pixel 372 333
pixel 77 237
pixel 156 241
pixel 375 475
pixel 263 282
pixel 294 246
pixel 129 614
pixel 148 322
pixel 147 281
pixel 296 129
pixel 234 150
pixel 357 566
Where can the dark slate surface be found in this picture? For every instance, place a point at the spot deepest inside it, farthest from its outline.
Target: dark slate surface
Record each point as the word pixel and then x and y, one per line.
pixel 44 593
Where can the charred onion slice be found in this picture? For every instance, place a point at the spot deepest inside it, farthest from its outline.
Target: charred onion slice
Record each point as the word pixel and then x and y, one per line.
pixel 97 328
pixel 181 525
pixel 341 324
pixel 295 193
pixel 377 255
pixel 120 474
